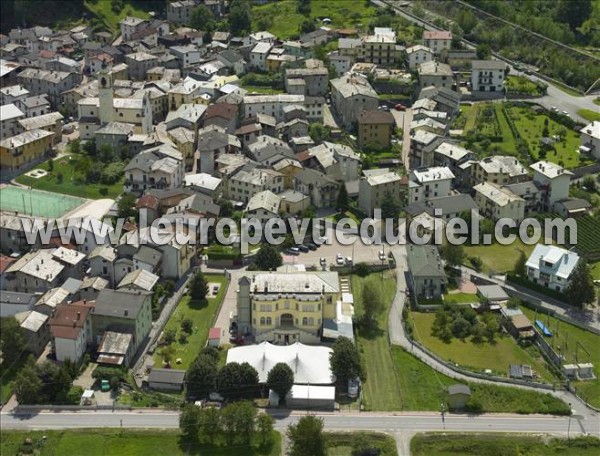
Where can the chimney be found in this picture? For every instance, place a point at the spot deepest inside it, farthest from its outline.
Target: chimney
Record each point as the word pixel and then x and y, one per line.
pixel 78 315
pixel 126 313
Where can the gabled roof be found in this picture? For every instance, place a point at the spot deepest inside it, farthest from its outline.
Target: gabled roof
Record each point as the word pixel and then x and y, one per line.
pixel 424 261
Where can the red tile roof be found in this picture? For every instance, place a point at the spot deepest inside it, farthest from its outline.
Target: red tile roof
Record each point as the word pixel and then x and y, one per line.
pixel 68 320
pixel 5 262
pixel 214 333
pixel 437 35
pixel 226 110
pixel 149 201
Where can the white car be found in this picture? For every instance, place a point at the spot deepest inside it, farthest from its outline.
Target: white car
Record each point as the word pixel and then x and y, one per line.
pixel 339 259
pixel 349 261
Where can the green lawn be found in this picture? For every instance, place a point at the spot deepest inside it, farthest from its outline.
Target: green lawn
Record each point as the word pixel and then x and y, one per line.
pixel 498 257
pixel 478 357
pixel 565 340
pixel 530 126
pixel 284 21
pixel 380 388
pixel 261 89
pixel 424 389
pixel 203 316
pixel 341 443
pixel 70 185
pixel 107 442
pixel 102 9
pixel 595 267
pixel 589 114
pixel 7 375
pixel 521 84
pixel 461 298
pixel 496 444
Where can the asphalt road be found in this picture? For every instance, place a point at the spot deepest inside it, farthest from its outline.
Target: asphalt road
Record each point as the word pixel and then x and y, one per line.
pixel 409 422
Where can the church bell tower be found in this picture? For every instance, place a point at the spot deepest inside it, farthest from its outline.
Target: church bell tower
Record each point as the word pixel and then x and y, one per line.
pixel 105 91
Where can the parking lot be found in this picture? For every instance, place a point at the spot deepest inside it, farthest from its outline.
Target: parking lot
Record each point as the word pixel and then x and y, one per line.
pixel 358 252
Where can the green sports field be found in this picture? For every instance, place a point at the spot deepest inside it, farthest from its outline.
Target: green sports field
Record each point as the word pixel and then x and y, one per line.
pixel 37 203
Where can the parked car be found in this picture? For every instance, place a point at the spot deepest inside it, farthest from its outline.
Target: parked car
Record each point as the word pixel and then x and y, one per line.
pixel 293 251
pixel 237 340
pixel 400 107
pixel 323 260
pixel 349 261
pixel 303 248
pixel 339 259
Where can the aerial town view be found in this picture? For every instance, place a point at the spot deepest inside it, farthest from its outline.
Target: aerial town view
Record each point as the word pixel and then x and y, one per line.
pixel 300 227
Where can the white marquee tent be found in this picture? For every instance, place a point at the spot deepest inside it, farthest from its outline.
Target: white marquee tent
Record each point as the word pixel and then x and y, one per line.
pixel 309 363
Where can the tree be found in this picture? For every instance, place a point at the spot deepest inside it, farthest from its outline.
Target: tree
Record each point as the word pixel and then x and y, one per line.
pixel 466 20
pixel 574 13
pixel 390 208
pixel 240 19
pixel 201 377
pixel 303 7
pixel 307 26
pixel 238 421
pixel 28 386
pixel 580 290
pixel 520 268
pixel 226 207
pixel 12 341
pixel 189 419
pixel 248 386
pixel 209 424
pixel 345 361
pixel 342 199
pixel 268 258
pixel 167 353
pixel 187 325
pixel 75 146
pixel 319 132
pixel 372 303
pixel 306 437
pixel 483 51
pixel 126 206
pixel 203 19
pixel 362 269
pixel 461 328
pixel 280 379
pixel 590 184
pixel 198 286
pixel 454 255
pixel 264 428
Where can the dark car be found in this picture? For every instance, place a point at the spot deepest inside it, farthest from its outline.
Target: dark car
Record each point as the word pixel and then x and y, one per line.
pixel 303 248
pixel 293 251
pixel 313 246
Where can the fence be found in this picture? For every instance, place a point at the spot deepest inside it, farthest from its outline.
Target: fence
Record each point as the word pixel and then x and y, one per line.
pixel 468 373
pixel 583 170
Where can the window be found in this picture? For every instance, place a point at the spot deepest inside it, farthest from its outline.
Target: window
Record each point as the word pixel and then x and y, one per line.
pixel 304 321
pixel 268 321
pixel 262 321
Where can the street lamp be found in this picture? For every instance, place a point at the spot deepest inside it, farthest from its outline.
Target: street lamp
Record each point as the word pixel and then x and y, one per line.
pixel 569 425
pixel 443 411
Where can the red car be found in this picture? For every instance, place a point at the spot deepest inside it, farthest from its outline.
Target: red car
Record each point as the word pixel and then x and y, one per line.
pixel 400 107
pixel 237 340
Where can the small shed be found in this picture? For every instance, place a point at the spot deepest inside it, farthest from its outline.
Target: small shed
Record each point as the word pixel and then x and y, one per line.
pixel 585 371
pixel 166 379
pixel 492 294
pixel 570 370
pixel 311 397
pixel 458 396
pixel 87 398
pixel 214 337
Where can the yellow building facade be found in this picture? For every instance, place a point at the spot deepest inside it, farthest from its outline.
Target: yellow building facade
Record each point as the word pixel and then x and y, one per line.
pixel 287 307
pixel 20 150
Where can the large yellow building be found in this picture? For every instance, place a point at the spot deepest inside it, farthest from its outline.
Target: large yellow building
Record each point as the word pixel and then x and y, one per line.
pixel 287 306
pixel 20 150
pixel 375 129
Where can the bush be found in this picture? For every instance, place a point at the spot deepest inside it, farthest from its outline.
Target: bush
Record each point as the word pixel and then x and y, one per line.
pixel 169 336
pixel 107 373
pixel 362 269
pixel 474 406
pixel 476 262
pixel 74 395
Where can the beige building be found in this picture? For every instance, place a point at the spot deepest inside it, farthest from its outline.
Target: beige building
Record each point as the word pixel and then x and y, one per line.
pixel 19 151
pixel 287 307
pixel 375 186
pixel 437 40
pixel 496 202
pixel 375 129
